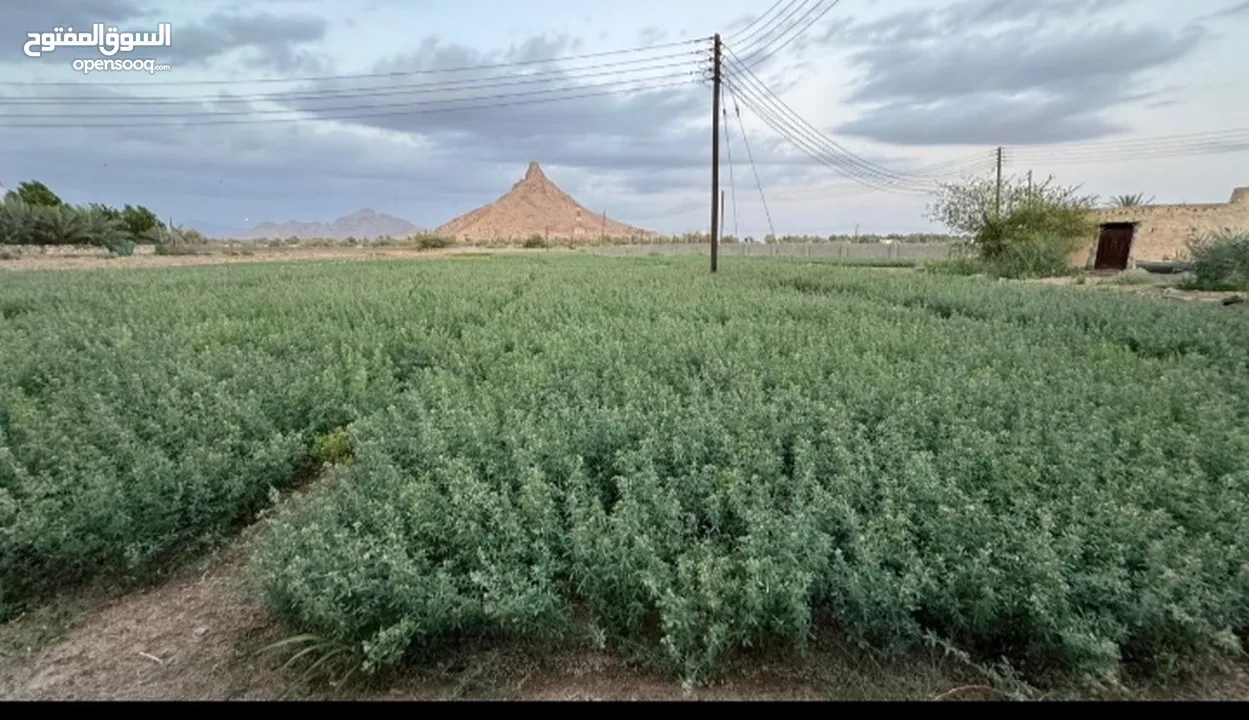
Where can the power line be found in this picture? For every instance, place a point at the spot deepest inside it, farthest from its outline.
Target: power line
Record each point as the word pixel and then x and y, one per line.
pixel 552 75
pixel 1133 143
pixel 728 148
pixel 147 115
pixel 736 35
pixel 792 37
pixel 810 148
pixel 1227 141
pixel 816 146
pixel 779 30
pixel 360 76
pixel 770 107
pixel 1135 156
pixel 408 111
pixel 767 28
pixel 792 127
pixel 753 167
pixel 815 143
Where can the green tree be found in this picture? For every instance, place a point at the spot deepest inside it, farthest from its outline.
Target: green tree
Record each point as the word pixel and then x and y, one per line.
pixel 1021 228
pixel 1129 200
pixel 141 223
pixel 33 192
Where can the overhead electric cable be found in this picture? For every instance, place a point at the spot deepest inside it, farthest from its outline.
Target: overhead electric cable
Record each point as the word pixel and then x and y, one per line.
pixel 793 127
pixel 366 112
pixel 753 59
pixel 359 76
pixel 753 167
pixel 728 148
pixel 410 102
pixel 745 33
pixel 544 76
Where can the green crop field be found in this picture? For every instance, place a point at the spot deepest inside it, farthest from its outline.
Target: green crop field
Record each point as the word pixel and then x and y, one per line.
pixel 519 448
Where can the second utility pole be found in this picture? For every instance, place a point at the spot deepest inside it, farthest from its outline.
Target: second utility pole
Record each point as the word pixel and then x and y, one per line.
pixel 997 192
pixel 715 150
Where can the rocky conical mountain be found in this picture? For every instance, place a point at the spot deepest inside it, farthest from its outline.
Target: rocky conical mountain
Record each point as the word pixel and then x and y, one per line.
pixel 535 206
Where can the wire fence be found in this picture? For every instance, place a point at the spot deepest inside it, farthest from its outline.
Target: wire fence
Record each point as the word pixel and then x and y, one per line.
pixel 846 250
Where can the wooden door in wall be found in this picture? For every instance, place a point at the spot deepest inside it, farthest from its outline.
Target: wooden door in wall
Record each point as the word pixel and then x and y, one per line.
pixel 1114 245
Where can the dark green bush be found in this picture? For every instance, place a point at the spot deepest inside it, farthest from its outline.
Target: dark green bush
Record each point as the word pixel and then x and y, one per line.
pixel 1220 262
pixel 334 448
pixel 433 242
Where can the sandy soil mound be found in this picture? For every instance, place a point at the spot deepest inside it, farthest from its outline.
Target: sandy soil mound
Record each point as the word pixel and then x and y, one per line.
pixel 536 206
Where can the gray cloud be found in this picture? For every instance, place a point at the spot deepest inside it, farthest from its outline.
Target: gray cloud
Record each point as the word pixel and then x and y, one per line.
pixel 265 39
pixel 999 71
pixel 652 35
pixel 594 123
pixel 1239 10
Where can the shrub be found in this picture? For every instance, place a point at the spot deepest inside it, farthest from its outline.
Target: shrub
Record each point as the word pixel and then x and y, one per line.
pixel 534 242
pixel 1033 234
pixel 432 242
pixel 1219 262
pixel 1034 255
pixel 123 249
pixel 333 448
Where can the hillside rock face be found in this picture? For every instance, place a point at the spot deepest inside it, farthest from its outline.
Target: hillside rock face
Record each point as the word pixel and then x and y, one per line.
pixel 365 224
pixel 535 206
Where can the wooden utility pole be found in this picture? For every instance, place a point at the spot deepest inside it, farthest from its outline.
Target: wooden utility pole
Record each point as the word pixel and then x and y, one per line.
pixel 715 149
pixel 997 193
pixel 721 217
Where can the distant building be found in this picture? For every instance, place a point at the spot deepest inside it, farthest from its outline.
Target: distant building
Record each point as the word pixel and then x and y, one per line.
pixel 1128 235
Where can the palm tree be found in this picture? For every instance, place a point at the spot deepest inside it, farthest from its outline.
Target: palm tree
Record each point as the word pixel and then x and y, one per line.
pixel 1130 200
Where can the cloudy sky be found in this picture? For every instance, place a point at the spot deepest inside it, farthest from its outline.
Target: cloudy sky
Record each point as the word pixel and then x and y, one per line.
pixel 312 109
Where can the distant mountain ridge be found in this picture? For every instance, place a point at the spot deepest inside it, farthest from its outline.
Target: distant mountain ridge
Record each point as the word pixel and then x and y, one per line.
pixel 364 224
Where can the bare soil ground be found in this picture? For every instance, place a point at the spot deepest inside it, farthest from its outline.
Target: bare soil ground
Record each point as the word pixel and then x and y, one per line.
pixel 1143 284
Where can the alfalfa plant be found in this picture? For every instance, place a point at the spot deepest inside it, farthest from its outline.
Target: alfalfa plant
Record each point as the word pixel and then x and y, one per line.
pixel 333 448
